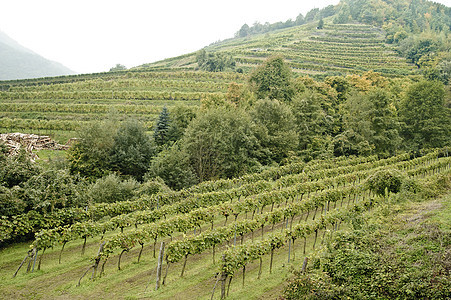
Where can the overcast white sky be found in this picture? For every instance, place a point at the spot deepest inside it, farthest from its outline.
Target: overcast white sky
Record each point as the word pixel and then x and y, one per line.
pixel 93 35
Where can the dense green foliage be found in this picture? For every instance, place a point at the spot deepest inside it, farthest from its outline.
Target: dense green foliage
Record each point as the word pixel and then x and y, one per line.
pixel 382 256
pixel 426 115
pixel 214 62
pixel 331 119
pixel 272 80
pixel 276 129
pixel 132 150
pixel 221 142
pixel 173 166
pixel 385 182
pixel 110 189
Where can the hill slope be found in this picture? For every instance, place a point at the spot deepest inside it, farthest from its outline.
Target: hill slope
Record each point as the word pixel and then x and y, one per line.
pixel 18 62
pixel 335 49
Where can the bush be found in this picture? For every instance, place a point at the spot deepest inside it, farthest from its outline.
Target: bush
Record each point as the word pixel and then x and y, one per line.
pixel 390 180
pixel 10 204
pixel 378 263
pixel 172 166
pixel 132 150
pixel 16 170
pixel 49 190
pixel 112 189
pixel 153 186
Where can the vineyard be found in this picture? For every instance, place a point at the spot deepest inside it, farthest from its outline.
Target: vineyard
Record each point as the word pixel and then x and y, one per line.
pixel 335 49
pixel 59 106
pixel 277 164
pixel 192 243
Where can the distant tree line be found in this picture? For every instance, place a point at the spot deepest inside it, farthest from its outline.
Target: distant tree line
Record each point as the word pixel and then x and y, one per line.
pixel 215 62
pixel 315 14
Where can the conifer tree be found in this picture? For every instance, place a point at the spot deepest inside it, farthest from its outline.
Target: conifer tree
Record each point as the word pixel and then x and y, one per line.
pixel 161 130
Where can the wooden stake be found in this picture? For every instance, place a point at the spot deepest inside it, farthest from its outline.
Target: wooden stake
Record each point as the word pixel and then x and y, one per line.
pixel 23 261
pixel 95 265
pixel 260 268
pixel 214 287
pixel 160 265
pixel 270 263
pixel 40 259
pixel 84 246
pixel 166 273
pixel 34 259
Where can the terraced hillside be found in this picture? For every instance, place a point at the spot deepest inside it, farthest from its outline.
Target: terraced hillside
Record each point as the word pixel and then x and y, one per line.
pixel 62 104
pixel 336 49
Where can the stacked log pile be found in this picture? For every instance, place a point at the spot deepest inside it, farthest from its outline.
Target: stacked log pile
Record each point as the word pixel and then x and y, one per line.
pixel 16 141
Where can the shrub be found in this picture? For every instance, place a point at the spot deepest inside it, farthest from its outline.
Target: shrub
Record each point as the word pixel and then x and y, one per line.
pixel 10 204
pixel 390 180
pixel 153 186
pixel 172 166
pixel 112 189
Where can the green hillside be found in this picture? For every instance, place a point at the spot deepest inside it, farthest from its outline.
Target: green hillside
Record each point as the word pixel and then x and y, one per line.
pixel 401 41
pixel 252 230
pixel 335 49
pixel 61 105
pixel 322 142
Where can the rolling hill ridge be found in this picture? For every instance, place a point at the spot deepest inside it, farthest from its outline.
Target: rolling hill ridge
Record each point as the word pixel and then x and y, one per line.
pixel 18 62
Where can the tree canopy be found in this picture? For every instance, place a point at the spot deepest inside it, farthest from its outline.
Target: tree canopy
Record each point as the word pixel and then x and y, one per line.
pixel 273 80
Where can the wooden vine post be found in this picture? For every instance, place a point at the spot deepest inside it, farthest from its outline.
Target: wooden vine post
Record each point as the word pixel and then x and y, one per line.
pixel 260 268
pixel 29 254
pixel 270 263
pixel 167 269
pixel 159 266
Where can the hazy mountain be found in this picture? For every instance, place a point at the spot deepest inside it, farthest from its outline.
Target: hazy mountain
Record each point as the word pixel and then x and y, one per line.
pixel 18 62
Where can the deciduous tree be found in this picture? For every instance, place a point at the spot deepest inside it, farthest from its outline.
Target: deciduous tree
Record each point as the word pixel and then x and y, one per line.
pixel 426 117
pixel 273 80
